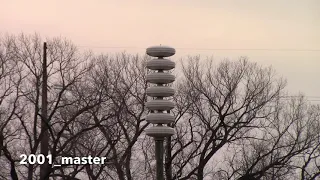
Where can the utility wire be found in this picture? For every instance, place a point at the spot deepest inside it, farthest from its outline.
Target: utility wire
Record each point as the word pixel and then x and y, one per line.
pixel 314 98
pixel 209 49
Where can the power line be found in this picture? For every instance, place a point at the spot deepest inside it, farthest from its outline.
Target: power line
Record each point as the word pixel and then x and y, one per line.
pixel 209 49
pixel 111 47
pixel 236 49
pixel 316 97
pixel 307 98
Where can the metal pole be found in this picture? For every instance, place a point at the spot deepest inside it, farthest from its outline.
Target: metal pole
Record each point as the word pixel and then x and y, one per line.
pixel 44 147
pixel 159 158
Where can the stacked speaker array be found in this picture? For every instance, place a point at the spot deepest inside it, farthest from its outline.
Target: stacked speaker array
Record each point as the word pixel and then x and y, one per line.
pixel 160 107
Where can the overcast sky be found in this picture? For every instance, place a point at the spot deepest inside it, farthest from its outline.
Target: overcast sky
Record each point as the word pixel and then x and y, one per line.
pixel 205 24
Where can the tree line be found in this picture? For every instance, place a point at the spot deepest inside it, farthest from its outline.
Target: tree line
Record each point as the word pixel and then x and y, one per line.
pixel 232 121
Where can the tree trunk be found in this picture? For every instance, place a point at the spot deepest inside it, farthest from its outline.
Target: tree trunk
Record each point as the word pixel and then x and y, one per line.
pixel 200 172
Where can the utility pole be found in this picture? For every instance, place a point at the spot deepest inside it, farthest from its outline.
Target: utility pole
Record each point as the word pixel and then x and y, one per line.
pixel 44 147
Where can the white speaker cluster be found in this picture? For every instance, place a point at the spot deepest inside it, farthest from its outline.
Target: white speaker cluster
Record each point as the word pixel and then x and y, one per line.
pixel 160 107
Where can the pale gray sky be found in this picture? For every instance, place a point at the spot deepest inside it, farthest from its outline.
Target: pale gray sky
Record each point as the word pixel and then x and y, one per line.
pixel 205 24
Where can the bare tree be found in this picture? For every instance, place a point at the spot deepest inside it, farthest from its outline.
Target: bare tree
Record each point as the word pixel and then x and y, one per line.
pixel 96 107
pixel 274 149
pixel 225 102
pixel 66 67
pixel 309 160
pixel 10 100
pixel 120 118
